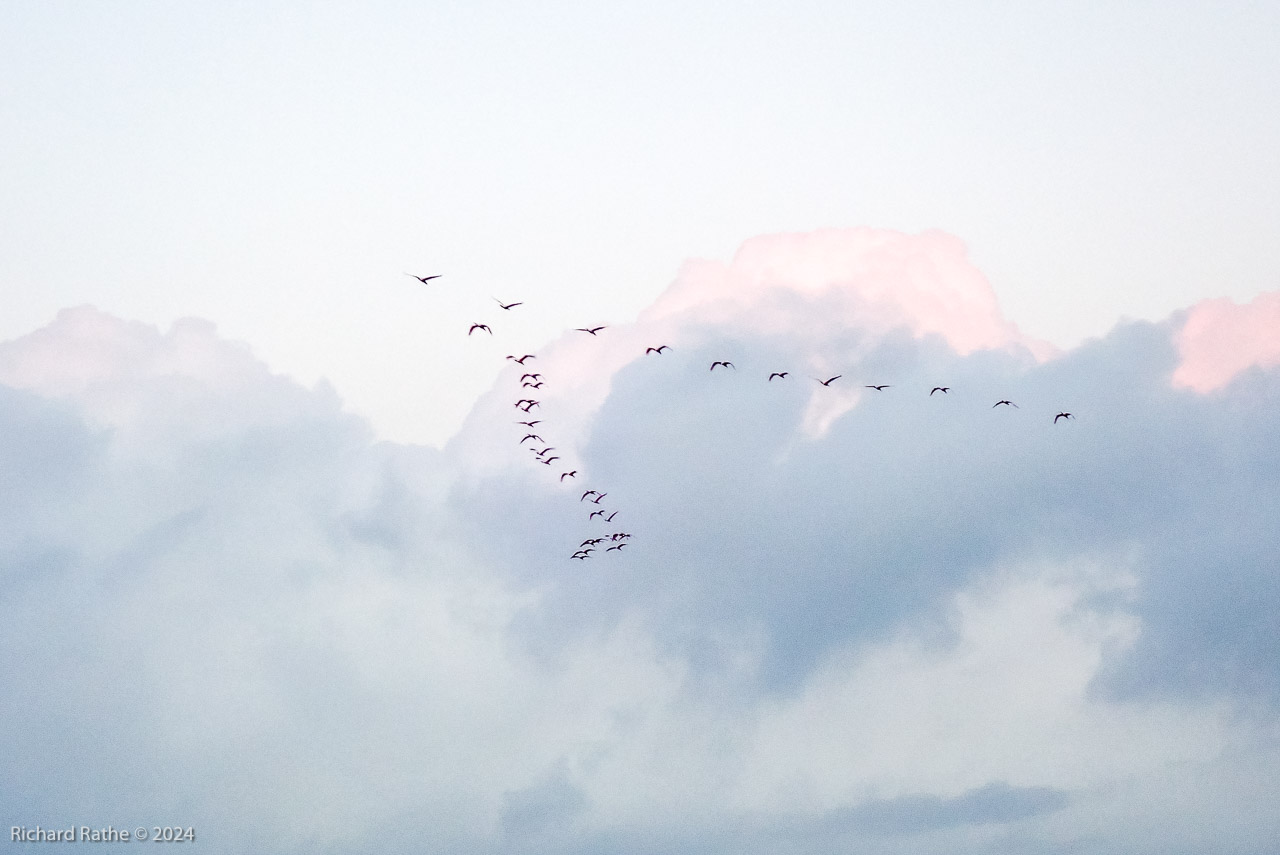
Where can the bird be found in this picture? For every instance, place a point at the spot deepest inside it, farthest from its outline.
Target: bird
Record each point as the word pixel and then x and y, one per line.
pixel 613 548
pixel 532 436
pixel 595 514
pixel 537 385
pixel 1009 403
pixel 781 375
pixel 598 497
pixel 828 382
pixel 588 493
pixel 532 423
pixel 475 327
pixel 579 556
pixel 425 279
pixel 943 389
pixel 611 516
pixel 508 306
pixel 725 364
pixel 524 377
pixel 524 401
pixel 592 330
pixel 518 359
pixel 529 405
pixel 879 388
pixel 573 474
pixel 658 350
pixel 548 460
pixel 1062 416
pixel 544 451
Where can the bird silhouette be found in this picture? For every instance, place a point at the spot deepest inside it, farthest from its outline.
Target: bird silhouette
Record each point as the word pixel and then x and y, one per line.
pixel 537 385
pixel 658 350
pixel 595 514
pixel 598 497
pixel 879 388
pixel 475 327
pixel 573 474
pixel 544 451
pixel 532 436
pixel 548 460
pixel 615 548
pixel 508 306
pixel 829 381
pixel 524 377
pixel 592 330
pixel 781 374
pixel 519 359
pixel 531 424
pixel 424 279
pixel 588 493
pixel 1007 403
pixel 725 364
pixel 943 389
pixel 1062 416
pixel 611 516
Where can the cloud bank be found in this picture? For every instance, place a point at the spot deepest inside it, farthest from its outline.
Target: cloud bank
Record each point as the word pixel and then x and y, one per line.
pixel 887 621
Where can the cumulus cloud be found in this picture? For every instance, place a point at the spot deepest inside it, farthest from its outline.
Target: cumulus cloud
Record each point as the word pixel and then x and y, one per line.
pixel 846 618
pixel 1219 339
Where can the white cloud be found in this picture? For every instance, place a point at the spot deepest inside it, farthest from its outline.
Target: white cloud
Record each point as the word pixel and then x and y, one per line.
pixel 901 623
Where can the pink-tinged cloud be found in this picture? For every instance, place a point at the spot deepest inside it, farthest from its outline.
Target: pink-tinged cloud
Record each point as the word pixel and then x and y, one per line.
pixel 1220 339
pixel 874 280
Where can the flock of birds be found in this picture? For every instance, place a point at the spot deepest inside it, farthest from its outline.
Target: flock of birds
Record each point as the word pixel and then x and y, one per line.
pixel 615 541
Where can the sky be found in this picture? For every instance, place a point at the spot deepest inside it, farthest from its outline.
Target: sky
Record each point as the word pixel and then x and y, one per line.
pixel 277 564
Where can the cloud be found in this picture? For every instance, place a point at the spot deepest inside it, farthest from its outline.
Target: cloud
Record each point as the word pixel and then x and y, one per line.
pixel 845 618
pixel 1219 339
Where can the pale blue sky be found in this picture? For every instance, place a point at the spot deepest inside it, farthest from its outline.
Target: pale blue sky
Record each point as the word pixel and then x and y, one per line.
pixel 275 167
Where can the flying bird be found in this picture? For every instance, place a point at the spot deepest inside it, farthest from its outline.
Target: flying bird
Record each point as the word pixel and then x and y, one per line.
pixel 943 389
pixel 725 364
pixel 519 360
pixel 657 350
pixel 1009 403
pixel 537 385
pixel 598 497
pixel 781 374
pixel 612 548
pixel 592 330
pixel 529 405
pixel 532 423
pixel 573 474
pixel 879 388
pixel 524 377
pixel 548 460
pixel 544 451
pixel 532 436
pixel 475 327
pixel 1062 416
pixel 828 382
pixel 424 279
pixel 611 516
pixel 588 493
pixel 508 306
pixel 595 514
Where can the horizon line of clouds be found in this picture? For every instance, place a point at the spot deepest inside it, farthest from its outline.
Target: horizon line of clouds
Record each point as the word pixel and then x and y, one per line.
pixel 924 635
